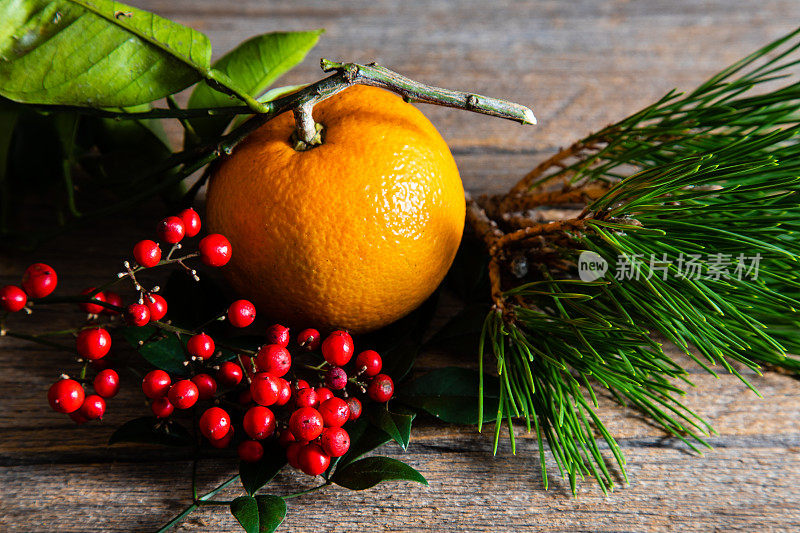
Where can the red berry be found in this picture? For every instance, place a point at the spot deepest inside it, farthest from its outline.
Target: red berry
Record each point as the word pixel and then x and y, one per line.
pixel 147 253
pixel 161 407
pixel 312 460
pixel 39 280
pixel 323 394
pixel 306 423
pixel 106 383
pixel 93 343
pixel 337 348
pixel 354 404
pixel 334 412
pixel 183 394
pixel 250 451
pixel 92 309
pixel 286 438
pixel 93 407
pixel 265 389
pixel 381 388
pixel 309 339
pixel 292 450
pixel 301 384
pixel 191 221
pixel 206 386
pixel 200 345
pixel 306 398
pixel 284 392
pixel 277 334
pixel 215 250
pixel 114 299
pixel 156 384
pixel 66 396
pixel 229 374
pixel 137 315
pixel 334 441
pixel 336 378
pixel 274 359
pixel 171 230
pixel 259 422
pixel 369 361
pixel 12 298
pixel 157 306
pixel 241 313
pixel 223 442
pixel 214 423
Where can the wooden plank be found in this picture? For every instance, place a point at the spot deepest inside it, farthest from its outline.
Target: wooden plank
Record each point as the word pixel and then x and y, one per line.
pixel 742 486
pixel 581 65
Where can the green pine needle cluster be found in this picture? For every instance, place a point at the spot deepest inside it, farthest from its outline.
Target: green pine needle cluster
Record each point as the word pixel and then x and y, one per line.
pixel 711 177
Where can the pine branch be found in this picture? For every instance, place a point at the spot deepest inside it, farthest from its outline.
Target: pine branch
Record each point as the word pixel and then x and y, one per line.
pixel 710 178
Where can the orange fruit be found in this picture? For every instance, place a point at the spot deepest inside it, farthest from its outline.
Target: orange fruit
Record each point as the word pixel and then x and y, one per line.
pixel 354 233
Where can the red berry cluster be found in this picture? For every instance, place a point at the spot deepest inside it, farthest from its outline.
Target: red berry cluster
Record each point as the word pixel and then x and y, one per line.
pixel 94 342
pixel 307 421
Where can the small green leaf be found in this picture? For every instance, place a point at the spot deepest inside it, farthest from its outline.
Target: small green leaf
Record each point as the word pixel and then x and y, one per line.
pixel 166 353
pixel 150 430
pixel 95 53
pixel 256 475
pixel 398 426
pixel 271 512
pixel 368 472
pixel 452 394
pixel 253 66
pixel 245 510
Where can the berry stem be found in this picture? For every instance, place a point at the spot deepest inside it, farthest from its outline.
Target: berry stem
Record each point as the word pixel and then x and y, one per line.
pixel 36 339
pixel 302 492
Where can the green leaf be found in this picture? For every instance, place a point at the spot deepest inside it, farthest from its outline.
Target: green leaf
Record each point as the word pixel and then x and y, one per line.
pixel 271 512
pixel 368 472
pixel 399 343
pixel 364 437
pixel 150 430
pixel 95 53
pixel 256 475
pixel 245 510
pixel 253 66
pixel 461 333
pixel 452 394
pixel 166 353
pixel 396 425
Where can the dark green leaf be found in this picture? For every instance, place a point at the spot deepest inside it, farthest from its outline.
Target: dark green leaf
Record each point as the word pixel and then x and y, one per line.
pixel 253 65
pixel 256 475
pixel 398 426
pixel 461 333
pixel 364 437
pixel 150 430
pixel 400 342
pixel 95 53
pixel 271 512
pixel 166 353
pixel 452 395
pixel 245 510
pixel 368 472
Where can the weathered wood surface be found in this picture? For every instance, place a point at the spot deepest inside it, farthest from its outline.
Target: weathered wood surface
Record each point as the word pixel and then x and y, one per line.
pixel 580 65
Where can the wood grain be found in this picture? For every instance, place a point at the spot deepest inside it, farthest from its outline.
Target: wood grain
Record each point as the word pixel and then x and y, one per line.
pixel 580 65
